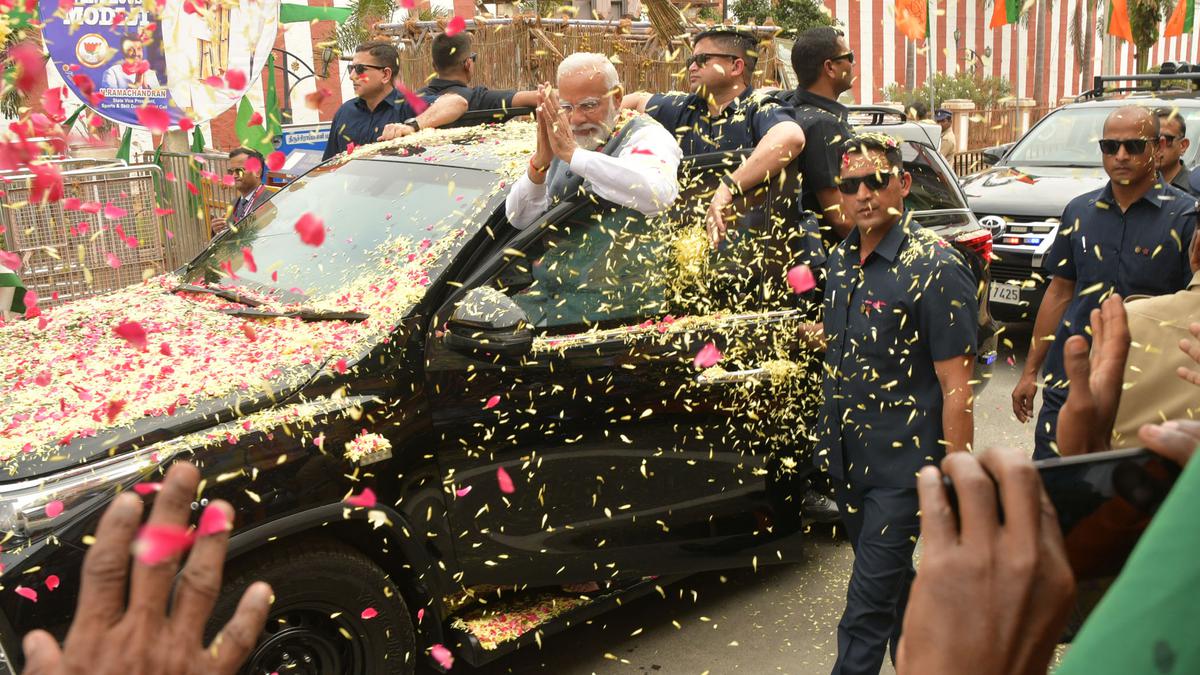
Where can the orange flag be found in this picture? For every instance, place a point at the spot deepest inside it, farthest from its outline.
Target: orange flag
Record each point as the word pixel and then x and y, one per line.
pixel 1118 20
pixel 912 18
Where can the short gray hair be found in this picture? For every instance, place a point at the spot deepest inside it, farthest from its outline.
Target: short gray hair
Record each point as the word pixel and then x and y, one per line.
pixel 582 62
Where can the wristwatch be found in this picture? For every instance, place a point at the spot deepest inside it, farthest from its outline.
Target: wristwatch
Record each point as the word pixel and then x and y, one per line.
pixel 412 122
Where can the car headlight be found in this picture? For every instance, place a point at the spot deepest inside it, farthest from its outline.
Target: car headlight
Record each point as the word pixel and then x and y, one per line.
pixel 81 489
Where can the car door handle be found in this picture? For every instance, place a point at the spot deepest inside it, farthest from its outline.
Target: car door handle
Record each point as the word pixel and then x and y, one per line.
pixel 733 377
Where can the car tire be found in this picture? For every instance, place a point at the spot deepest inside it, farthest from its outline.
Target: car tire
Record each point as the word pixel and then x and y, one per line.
pixel 322 588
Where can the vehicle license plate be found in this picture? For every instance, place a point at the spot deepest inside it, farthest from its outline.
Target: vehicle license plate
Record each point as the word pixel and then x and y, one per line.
pixel 1005 293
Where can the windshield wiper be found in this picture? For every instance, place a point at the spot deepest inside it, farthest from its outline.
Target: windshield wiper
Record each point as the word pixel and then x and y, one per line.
pixel 232 296
pixel 302 314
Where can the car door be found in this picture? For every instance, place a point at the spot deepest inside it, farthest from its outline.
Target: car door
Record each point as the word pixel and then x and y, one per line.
pixel 626 458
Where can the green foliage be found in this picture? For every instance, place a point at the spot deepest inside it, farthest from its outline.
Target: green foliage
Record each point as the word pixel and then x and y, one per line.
pixel 363 15
pixel 794 16
pixel 1145 17
pixel 985 92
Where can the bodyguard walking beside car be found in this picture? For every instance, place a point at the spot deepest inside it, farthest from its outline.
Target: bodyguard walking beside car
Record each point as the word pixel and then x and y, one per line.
pixel 1174 145
pixel 1129 237
pixel 900 324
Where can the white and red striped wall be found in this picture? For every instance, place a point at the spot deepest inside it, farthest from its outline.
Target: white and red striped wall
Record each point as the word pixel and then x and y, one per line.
pixel 880 48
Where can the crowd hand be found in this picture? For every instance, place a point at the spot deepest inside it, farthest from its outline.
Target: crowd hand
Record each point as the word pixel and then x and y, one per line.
pixel 396 130
pixel 219 225
pixel 1192 349
pixel 714 220
pixel 990 598
pixel 109 636
pixel 1085 422
pixel 1023 395
pixel 558 127
pixel 1175 440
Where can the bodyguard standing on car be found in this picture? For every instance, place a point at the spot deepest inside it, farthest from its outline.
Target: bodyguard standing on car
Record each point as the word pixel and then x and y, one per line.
pixel 824 67
pixel 379 112
pixel 900 323
pixel 724 113
pixel 1129 237
pixel 455 64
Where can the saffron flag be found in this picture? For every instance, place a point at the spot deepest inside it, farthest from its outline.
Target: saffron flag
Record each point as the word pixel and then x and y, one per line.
pixel 912 18
pixel 1181 19
pixel 1118 20
pixel 1005 12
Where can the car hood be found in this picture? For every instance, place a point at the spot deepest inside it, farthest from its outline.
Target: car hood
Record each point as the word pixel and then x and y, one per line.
pixel 1029 191
pixel 75 385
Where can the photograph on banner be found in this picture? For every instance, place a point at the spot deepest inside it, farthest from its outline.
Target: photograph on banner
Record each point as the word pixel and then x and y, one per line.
pixel 191 60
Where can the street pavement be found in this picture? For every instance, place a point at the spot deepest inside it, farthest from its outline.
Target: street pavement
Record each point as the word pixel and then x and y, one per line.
pixel 781 619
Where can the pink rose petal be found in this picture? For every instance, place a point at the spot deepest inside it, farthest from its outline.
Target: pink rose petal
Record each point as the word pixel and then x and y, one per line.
pixel 114 212
pixel 311 229
pixel 275 160
pixel 456 26
pixel 236 79
pixel 157 543
pixel 801 279
pixel 155 119
pixel 369 613
pixel 505 481
pixel 212 521
pixel 27 593
pixel 442 655
pixel 708 356
pixel 10 260
pixel 144 489
pixel 248 256
pixel 463 491
pixel 492 402
pixel 52 582
pixel 54 509
pixel 365 500
pixel 420 614
pixel 112 260
pixel 133 333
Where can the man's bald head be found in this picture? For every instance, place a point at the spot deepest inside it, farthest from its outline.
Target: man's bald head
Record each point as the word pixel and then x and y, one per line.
pixel 1136 120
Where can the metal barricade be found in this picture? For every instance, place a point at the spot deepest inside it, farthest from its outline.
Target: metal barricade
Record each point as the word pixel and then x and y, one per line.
pixel 70 254
pixel 194 201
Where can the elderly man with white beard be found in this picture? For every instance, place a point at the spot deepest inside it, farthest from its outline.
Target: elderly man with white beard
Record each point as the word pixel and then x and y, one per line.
pixel 585 142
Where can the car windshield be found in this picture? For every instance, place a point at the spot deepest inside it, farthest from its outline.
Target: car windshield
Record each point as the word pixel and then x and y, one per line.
pixel 1068 137
pixel 933 188
pixel 382 220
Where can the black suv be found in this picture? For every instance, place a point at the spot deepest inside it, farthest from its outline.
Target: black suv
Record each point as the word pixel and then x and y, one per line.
pixel 435 430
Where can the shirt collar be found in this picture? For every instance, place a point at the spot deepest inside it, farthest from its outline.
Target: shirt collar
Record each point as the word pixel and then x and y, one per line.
pixel 439 83
pixel 695 100
pixel 1195 282
pixel 804 96
pixel 393 99
pixel 1154 195
pixel 889 248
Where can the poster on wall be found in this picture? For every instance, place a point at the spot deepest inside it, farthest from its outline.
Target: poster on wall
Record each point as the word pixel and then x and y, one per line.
pixel 188 58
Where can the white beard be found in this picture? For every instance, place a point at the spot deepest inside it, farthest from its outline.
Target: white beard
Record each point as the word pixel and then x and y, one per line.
pixel 593 136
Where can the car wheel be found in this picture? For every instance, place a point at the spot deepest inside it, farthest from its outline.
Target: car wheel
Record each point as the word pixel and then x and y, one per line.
pixel 316 624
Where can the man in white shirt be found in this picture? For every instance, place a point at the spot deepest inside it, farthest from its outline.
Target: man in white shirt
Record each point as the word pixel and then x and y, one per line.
pixel 580 148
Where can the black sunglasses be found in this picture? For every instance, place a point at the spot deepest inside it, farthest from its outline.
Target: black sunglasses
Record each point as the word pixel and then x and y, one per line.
pixel 360 68
pixel 849 56
pixel 1134 146
pixel 873 181
pixel 700 60
pixel 1169 138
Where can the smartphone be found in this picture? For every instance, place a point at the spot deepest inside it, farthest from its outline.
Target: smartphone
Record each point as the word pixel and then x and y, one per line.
pixel 1104 502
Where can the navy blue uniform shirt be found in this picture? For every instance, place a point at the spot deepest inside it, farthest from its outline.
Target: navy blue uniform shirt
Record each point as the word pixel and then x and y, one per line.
pixel 1143 251
pixel 825 126
pixel 741 124
pixel 478 97
pixel 353 123
pixel 887 320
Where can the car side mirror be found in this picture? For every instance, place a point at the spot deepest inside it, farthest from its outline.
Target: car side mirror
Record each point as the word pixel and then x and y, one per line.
pixel 992 156
pixel 490 322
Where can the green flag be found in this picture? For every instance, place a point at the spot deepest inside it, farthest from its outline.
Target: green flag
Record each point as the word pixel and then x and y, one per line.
pixel 250 136
pixel 274 120
pixel 197 140
pixel 126 144
pixel 297 13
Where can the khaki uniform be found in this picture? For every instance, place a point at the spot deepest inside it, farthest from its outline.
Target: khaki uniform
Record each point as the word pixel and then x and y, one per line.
pixel 1153 392
pixel 949 143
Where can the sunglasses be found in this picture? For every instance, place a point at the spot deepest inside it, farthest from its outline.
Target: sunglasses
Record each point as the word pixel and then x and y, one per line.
pixel 1169 138
pixel 236 173
pixel 701 60
pixel 873 181
pixel 360 69
pixel 1134 146
pixel 848 56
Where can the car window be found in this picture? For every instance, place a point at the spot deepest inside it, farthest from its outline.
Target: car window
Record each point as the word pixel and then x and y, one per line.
pixel 1068 137
pixel 932 185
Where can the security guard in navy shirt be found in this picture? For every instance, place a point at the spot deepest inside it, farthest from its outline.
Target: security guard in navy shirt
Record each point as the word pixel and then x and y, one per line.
pixel 900 323
pixel 380 112
pixel 824 67
pixel 455 63
pixel 1129 237
pixel 1175 144
pixel 724 113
